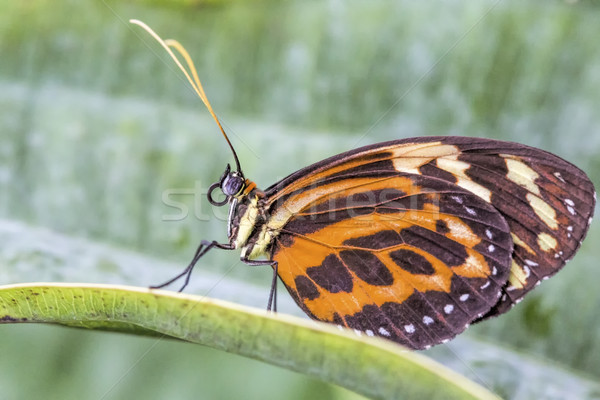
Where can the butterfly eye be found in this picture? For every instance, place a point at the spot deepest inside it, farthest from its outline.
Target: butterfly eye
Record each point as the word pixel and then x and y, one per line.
pixel 232 184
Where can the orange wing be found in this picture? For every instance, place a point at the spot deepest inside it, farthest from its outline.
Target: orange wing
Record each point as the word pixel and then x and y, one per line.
pixel 547 202
pixel 408 257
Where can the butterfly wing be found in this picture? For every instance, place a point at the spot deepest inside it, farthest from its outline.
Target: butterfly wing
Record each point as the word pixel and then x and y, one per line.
pixel 546 201
pixel 408 257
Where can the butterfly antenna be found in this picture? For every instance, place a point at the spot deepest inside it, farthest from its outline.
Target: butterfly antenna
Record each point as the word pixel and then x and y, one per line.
pixel 192 79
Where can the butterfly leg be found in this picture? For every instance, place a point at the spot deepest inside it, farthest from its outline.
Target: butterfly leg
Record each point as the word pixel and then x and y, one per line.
pixel 272 303
pixel 204 247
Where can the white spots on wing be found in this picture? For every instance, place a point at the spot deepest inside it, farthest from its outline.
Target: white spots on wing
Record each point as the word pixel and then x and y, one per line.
pixel 485 285
pixel 569 202
pixel 527 271
pixel 464 297
pixel 358 333
pixel 590 220
pixel 383 331
pixel 457 199
pixel 546 242
pixel 571 210
pixel 545 278
pixel 488 233
pixel 510 288
pixel 491 248
pixel 559 176
pixel 538 283
pixel 521 174
pixel 504 297
pixel 543 210
pixel 369 332
pixel 410 328
pixel 445 341
pixel 448 308
pixel 558 255
pixel 470 211
pixel 494 271
pixel 341 328
pixel 570 228
pixel 531 263
pixel 467 326
pixel 427 320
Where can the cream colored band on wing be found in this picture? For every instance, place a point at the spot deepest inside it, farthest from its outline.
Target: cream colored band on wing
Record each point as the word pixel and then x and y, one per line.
pixel 410 158
pixel 406 158
pixel 521 174
pixel 458 168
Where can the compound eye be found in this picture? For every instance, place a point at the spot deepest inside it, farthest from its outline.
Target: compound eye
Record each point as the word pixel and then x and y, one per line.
pixel 232 185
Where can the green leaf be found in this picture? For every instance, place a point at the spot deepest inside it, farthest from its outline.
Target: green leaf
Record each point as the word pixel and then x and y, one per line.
pixel 370 366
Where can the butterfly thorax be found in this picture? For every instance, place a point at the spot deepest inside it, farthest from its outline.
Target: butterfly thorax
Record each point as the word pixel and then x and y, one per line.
pixel 248 225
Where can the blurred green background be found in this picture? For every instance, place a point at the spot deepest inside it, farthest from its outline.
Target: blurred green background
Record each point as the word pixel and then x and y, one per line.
pixel 100 135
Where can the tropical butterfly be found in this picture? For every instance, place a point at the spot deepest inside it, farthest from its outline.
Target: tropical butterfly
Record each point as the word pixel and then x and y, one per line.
pixel 411 240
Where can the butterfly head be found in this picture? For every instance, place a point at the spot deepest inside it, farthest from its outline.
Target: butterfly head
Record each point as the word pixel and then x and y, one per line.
pixel 231 183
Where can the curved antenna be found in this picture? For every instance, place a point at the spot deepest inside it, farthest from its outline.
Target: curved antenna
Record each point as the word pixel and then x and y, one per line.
pixel 195 82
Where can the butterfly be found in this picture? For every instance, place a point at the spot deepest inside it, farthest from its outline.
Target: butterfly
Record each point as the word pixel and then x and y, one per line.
pixel 411 240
